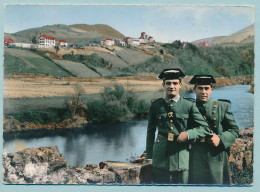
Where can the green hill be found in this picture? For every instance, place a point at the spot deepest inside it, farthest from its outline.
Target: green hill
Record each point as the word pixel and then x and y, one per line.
pixel 71 33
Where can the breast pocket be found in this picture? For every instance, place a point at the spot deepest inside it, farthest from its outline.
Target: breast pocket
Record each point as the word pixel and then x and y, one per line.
pixel 161 121
pixel 182 120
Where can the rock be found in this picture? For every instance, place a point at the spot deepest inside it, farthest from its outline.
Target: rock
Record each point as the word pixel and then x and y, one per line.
pixel 45 165
pixel 241 152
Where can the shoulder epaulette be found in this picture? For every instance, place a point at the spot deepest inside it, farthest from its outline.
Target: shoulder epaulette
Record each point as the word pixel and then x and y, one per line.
pixel 154 100
pixel 225 100
pixel 190 99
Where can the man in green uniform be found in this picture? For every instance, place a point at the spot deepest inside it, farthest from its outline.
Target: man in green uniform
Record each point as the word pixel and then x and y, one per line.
pixel 209 158
pixel 177 121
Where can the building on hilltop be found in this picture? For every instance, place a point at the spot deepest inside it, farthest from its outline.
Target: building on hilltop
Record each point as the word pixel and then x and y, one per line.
pixel 143 35
pixel 47 41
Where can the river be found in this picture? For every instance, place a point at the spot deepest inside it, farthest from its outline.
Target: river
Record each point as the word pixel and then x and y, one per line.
pixel 123 141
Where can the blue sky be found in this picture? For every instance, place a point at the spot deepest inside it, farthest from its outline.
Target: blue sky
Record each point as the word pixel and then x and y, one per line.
pixel 164 23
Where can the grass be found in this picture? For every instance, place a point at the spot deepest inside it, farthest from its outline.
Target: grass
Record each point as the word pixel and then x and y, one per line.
pixel 47 67
pixel 14 64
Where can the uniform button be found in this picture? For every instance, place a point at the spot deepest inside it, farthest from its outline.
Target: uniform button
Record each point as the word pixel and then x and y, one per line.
pixel 215 126
pixel 171 121
pixel 213 112
pixel 171 105
pixel 159 117
pixel 158 141
pixel 182 118
pixel 215 119
pixel 171 127
pixel 214 106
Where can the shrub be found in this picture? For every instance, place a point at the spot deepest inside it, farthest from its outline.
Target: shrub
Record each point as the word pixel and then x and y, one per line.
pixel 108 112
pixel 44 116
pixel 117 105
pixel 76 105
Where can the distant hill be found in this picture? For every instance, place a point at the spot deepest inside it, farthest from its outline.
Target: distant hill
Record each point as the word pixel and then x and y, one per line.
pixel 73 33
pixel 243 36
pixel 99 28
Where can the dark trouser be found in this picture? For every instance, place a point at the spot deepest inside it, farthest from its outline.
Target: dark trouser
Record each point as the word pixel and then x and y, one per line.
pixel 163 176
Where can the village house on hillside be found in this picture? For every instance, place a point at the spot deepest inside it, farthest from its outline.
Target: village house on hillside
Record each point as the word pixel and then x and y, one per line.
pixel 47 41
pixel 204 44
pixel 7 41
pixel 128 41
pixel 107 42
pixel 62 43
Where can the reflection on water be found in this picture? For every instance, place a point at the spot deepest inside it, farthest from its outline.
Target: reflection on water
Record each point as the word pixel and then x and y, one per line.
pixel 117 142
pixel 114 142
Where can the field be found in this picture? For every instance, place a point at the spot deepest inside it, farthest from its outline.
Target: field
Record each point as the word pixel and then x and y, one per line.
pixel 77 69
pixel 19 86
pixel 24 61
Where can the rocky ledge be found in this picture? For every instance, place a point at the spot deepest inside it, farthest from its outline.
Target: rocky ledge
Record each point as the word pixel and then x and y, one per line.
pixel 46 165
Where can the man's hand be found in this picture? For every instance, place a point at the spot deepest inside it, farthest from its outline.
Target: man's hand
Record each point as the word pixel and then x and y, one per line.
pixel 214 140
pixel 183 137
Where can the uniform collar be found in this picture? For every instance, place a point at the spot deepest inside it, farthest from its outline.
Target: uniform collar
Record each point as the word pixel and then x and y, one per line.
pixel 175 99
pixel 204 103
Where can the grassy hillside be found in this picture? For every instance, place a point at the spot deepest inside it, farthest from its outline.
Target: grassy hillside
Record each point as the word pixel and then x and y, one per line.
pixel 243 36
pixel 28 62
pixel 73 33
pixel 216 60
pixel 99 28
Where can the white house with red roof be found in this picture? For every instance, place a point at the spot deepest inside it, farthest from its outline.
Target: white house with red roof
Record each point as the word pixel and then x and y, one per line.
pixel 135 42
pixel 150 39
pixel 141 40
pixel 47 41
pixel 122 42
pixel 8 40
pixel 63 43
pixel 107 42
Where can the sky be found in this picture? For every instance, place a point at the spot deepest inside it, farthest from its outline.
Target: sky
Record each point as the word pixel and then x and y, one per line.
pixel 163 23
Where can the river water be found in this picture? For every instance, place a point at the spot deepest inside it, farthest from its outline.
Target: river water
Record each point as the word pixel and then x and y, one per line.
pixel 124 141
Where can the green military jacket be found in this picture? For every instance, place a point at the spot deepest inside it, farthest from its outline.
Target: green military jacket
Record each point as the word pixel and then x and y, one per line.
pixel 172 155
pixel 209 164
pixel 221 121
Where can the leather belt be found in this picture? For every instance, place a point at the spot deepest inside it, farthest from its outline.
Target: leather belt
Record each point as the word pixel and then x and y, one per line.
pixel 165 135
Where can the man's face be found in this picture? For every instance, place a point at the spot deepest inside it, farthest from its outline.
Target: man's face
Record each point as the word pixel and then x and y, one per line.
pixel 172 87
pixel 203 92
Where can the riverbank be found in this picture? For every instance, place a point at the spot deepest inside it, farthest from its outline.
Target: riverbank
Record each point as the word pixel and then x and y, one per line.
pixel 52 167
pixel 13 128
